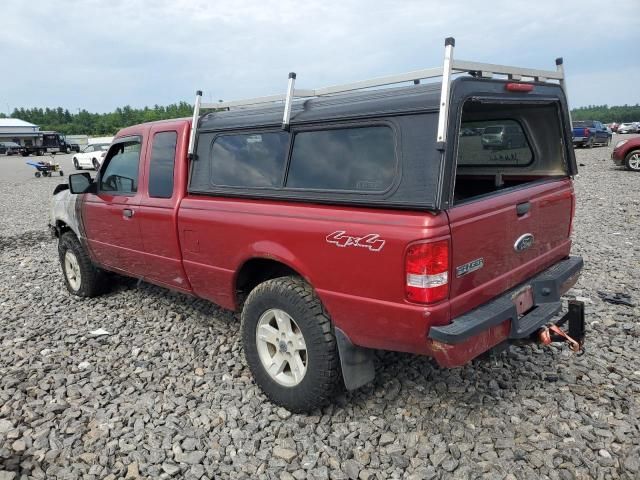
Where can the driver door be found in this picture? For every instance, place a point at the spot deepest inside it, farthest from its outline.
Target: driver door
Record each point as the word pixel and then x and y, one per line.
pixel 109 216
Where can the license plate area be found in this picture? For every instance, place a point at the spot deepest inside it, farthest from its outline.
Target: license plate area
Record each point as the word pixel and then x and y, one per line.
pixel 523 300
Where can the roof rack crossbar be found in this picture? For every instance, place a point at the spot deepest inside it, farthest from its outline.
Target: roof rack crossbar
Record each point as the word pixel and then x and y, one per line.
pixel 461 66
pixel 450 67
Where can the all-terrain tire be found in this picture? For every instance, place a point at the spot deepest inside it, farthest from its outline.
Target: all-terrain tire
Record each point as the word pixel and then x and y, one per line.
pixel 298 300
pixel 87 280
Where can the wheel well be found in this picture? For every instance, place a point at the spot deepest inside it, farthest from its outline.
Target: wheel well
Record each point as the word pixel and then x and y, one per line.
pixel 631 152
pixel 256 271
pixel 61 228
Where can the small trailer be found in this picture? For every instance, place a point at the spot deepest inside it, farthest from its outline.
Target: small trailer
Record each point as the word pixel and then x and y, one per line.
pixel 46 169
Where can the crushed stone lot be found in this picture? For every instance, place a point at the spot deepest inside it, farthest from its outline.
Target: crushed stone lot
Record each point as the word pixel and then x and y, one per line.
pixel 167 394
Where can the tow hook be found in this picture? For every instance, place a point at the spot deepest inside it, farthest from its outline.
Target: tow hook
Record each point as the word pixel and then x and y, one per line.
pixel 553 333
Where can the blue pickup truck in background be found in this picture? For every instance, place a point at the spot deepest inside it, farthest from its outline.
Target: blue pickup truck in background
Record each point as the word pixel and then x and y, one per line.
pixel 588 133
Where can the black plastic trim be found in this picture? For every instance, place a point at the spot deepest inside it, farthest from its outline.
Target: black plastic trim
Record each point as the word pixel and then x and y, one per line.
pixel 546 287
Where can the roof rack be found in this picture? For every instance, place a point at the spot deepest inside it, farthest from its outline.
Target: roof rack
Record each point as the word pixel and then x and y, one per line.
pixel 449 68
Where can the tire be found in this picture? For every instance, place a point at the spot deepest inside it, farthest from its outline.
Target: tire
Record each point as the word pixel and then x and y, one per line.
pixel 81 277
pixel 608 141
pixel 590 143
pixel 96 165
pixel 37 174
pixel 76 165
pixel 632 161
pixel 67 150
pixel 61 173
pixel 39 153
pixel 307 377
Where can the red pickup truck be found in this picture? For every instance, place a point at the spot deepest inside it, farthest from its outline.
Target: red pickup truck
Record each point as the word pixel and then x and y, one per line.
pixel 359 224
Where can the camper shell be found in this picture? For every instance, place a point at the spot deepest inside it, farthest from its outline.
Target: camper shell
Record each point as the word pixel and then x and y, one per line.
pixel 425 172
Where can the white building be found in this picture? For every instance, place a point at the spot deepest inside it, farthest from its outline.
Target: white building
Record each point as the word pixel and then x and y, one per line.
pixel 19 131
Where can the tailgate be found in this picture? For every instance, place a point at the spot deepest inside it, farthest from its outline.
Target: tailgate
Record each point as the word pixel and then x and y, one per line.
pixel 501 240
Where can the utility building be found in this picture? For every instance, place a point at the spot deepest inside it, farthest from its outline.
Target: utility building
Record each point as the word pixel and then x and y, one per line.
pixel 18 131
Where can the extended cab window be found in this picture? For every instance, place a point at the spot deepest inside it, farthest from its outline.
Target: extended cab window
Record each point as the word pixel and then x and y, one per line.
pixel 355 159
pixel 247 160
pixel 120 176
pixel 163 156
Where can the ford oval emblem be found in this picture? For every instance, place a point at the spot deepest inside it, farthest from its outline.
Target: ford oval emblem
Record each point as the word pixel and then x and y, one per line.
pixel 524 242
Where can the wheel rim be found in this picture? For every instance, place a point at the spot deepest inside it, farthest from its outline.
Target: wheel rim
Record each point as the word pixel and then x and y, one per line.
pixel 634 161
pixel 281 347
pixel 72 270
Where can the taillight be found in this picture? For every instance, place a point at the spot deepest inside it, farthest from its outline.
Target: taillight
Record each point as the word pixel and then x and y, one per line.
pixel 427 272
pixel 586 132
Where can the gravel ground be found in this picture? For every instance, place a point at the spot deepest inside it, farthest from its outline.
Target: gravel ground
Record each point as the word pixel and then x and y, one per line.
pixel 167 393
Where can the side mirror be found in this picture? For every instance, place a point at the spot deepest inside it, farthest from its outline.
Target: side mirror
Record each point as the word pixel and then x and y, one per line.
pixel 80 182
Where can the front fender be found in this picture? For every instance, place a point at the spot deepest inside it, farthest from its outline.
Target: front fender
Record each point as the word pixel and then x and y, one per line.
pixel 64 210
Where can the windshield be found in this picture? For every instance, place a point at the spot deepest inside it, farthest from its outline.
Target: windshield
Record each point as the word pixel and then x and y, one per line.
pixel 497 129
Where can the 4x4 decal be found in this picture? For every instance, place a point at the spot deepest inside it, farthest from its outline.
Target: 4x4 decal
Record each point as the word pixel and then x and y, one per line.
pixel 371 241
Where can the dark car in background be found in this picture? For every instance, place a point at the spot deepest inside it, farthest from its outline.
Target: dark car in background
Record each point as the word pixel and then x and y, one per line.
pixel 9 148
pixel 627 153
pixel 588 133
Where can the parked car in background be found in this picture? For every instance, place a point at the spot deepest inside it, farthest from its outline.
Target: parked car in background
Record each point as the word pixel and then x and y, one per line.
pixel 9 148
pixel 91 156
pixel 627 153
pixel 629 127
pixel 503 136
pixel 588 133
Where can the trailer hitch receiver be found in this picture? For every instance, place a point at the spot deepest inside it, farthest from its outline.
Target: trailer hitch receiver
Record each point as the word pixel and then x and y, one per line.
pixel 575 338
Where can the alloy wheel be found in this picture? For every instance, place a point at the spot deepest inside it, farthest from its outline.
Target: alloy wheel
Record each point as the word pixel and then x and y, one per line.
pixel 281 347
pixel 72 270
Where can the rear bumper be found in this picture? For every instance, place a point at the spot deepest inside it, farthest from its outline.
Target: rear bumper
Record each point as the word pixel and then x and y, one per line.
pixel 498 320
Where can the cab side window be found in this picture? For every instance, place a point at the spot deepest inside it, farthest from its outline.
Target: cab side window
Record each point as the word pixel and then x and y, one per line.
pixel 163 157
pixel 120 175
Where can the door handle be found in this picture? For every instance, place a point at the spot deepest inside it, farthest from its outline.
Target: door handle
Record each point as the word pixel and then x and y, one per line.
pixel 127 212
pixel 522 208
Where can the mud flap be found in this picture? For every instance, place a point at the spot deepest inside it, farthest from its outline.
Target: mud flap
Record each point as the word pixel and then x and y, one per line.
pixel 356 362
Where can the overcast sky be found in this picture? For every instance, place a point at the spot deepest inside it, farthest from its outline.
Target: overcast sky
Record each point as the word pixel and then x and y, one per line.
pixel 99 55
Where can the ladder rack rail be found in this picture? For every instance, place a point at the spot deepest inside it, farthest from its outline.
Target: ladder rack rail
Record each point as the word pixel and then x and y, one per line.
pixel 450 67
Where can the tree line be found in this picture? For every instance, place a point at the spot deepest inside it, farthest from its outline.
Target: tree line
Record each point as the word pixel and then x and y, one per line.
pixel 86 123
pixel 607 114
